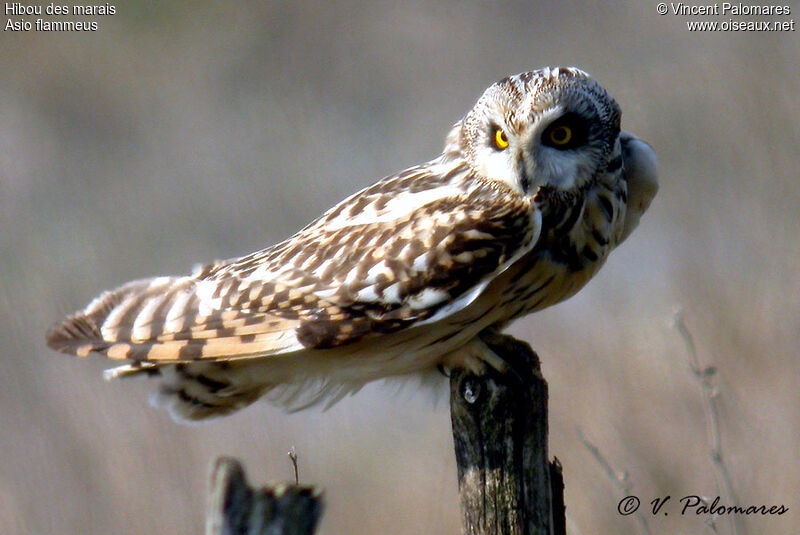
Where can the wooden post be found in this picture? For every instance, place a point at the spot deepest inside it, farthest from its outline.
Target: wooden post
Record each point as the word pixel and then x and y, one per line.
pixel 237 509
pixel 506 483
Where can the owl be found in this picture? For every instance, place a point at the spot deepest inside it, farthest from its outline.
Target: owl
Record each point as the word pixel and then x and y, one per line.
pixel 535 186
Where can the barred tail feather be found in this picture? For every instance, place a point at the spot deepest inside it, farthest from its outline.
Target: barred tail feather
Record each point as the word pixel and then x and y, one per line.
pixel 197 391
pixel 200 391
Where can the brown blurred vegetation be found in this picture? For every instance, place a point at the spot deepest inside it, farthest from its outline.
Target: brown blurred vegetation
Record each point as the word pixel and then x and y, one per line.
pixel 183 132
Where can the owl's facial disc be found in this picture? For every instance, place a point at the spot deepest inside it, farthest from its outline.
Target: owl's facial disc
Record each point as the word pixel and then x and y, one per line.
pixel 555 128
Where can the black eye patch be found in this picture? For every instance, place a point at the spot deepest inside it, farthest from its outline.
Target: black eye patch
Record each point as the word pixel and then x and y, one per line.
pixel 567 132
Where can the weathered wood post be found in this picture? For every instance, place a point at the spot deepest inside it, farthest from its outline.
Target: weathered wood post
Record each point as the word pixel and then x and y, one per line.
pixel 506 483
pixel 235 508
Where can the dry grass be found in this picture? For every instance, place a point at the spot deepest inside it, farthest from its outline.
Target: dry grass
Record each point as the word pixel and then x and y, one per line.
pixel 176 135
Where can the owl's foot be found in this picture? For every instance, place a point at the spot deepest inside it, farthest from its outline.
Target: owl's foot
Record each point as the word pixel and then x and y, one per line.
pixel 509 355
pixel 501 352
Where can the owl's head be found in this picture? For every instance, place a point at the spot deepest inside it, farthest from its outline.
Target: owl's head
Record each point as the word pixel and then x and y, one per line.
pixel 553 127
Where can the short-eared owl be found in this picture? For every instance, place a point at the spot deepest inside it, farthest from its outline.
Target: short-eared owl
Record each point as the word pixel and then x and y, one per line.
pixel 535 187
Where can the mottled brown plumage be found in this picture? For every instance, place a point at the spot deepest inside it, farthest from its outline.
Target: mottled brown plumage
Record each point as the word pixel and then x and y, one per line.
pixel 521 209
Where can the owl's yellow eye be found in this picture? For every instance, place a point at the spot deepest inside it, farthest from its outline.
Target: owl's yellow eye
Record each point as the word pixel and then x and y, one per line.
pixel 500 139
pixel 568 132
pixel 561 135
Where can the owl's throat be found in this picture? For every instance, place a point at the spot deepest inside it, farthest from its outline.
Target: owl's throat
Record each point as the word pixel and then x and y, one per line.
pixel 562 212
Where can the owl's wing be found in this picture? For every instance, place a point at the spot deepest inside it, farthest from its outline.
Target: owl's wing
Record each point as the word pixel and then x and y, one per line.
pixel 387 258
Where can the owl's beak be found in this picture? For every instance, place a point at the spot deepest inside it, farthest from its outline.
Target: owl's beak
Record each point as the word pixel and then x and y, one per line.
pixel 524 179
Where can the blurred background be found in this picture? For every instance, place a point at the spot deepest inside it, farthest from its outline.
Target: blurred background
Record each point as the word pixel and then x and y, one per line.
pixel 181 132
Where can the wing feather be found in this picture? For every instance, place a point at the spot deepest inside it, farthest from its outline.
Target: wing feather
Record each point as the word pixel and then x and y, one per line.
pixel 412 247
